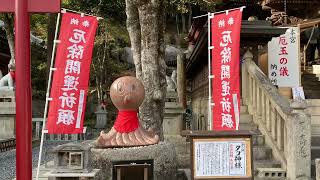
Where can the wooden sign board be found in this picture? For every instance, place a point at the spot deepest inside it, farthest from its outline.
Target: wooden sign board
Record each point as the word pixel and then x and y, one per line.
pixel 284 59
pixel 226 155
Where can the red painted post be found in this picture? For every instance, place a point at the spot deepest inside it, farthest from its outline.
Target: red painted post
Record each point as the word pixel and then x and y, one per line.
pixel 23 92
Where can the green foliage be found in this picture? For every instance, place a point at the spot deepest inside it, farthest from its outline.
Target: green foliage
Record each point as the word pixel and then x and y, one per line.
pixel 38 72
pixel 111 9
pixel 106 65
pixel 183 6
pixel 38 25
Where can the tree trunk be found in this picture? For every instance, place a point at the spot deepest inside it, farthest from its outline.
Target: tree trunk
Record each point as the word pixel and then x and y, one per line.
pixel 8 27
pixel 146 24
pixel 177 23
pixel 50 39
pixel 181 79
pixel 183 19
pixel 190 17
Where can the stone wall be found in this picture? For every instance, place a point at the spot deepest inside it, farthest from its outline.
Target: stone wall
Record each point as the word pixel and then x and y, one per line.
pixel 314 110
pixel 7 114
pixel 200 113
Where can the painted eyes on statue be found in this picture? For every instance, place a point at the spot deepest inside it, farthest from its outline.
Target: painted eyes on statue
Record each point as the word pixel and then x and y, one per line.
pixel 120 87
pixel 133 87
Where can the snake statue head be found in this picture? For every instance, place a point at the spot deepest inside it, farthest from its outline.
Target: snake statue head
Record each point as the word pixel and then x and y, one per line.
pixel 127 94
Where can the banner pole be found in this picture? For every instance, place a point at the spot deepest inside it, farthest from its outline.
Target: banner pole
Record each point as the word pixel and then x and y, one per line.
pixel 218 12
pixel 47 94
pixel 98 18
pixel 209 73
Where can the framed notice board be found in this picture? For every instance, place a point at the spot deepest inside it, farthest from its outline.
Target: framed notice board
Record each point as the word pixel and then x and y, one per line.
pixel 221 155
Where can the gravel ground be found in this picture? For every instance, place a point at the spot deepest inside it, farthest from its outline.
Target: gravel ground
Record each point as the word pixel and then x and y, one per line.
pixel 8 160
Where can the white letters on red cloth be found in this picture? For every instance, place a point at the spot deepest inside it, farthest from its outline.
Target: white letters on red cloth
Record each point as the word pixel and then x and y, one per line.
pixel 225 59
pixel 71 78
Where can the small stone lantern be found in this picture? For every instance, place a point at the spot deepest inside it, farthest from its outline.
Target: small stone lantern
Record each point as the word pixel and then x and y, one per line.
pixel 72 160
pixel 101 119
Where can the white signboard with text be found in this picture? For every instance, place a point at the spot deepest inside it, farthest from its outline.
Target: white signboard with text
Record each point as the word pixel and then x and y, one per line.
pixel 297 92
pixel 221 158
pixel 284 59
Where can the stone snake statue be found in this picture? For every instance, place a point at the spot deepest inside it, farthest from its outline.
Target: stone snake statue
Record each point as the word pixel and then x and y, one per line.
pixel 127 94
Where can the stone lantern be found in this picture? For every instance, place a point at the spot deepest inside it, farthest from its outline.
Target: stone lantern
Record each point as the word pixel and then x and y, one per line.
pixel 101 118
pixel 72 160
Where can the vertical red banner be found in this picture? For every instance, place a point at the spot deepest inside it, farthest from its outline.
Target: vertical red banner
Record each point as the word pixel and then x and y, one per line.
pixel 70 79
pixel 225 60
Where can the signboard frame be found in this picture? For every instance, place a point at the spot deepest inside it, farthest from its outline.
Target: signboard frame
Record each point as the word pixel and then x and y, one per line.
pixel 287 60
pixel 223 136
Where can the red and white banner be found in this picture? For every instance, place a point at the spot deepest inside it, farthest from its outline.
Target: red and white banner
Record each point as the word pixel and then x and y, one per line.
pixel 225 60
pixel 71 77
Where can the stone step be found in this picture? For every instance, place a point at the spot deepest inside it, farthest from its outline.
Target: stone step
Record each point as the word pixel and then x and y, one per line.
pixel 172 105
pixel 313 102
pixel 261 153
pixel 258 140
pixel 271 178
pixel 315 130
pixel 315 152
pixel 271 173
pixel 310 78
pixel 245 118
pixel 308 75
pixel 315 140
pixel 266 164
pixel 309 87
pixel 313 110
pixel 315 119
pixel 312 92
pixel 248 126
pixel 174 111
pixel 243 109
pixel 312 96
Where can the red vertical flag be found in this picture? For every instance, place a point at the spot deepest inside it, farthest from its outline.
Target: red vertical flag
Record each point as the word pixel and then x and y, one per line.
pixel 70 79
pixel 225 60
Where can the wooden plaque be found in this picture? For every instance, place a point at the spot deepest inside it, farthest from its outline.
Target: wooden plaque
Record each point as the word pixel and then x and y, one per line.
pixel 221 155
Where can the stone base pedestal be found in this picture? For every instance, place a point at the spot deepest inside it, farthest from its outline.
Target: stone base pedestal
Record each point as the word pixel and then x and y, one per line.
pixel 7 114
pixel 7 126
pixel 182 148
pixel 173 119
pixel 162 154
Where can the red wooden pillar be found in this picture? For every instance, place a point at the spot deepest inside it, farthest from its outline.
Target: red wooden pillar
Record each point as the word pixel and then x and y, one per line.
pixel 22 8
pixel 23 92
